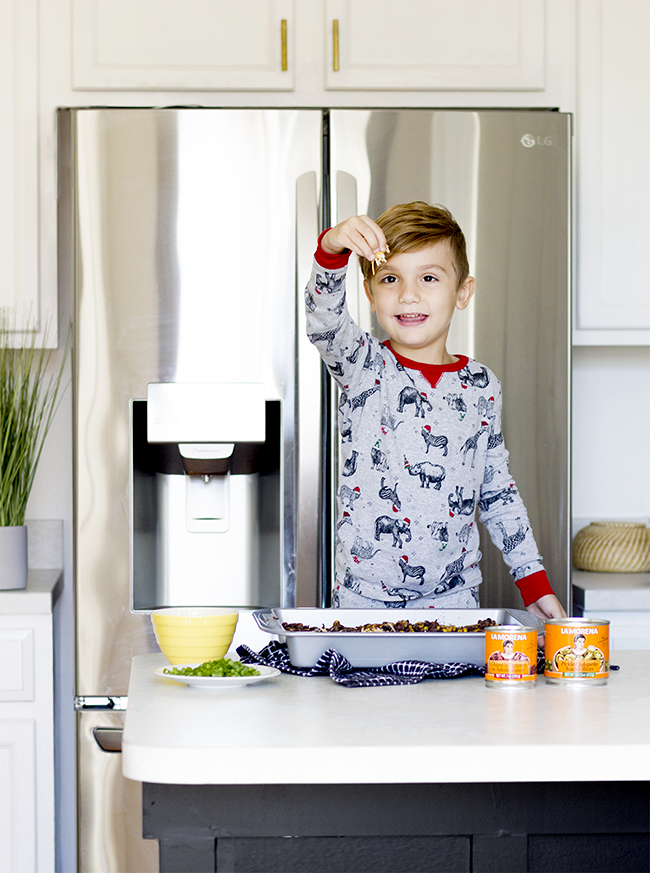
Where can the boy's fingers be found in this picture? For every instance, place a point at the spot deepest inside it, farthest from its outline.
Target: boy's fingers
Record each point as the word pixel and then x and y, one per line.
pixel 366 237
pixel 359 234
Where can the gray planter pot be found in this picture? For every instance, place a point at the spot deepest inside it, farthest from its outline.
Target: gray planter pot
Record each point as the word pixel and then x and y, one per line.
pixel 13 557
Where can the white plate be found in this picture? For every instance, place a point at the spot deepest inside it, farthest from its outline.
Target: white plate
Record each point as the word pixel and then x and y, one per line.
pixel 220 682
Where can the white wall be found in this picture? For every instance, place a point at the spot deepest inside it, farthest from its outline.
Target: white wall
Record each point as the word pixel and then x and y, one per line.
pixel 611 432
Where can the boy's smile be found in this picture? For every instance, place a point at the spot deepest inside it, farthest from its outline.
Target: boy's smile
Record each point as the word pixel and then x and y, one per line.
pixel 414 295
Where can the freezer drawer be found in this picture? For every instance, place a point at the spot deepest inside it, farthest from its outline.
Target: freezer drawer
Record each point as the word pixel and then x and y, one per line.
pixel 109 806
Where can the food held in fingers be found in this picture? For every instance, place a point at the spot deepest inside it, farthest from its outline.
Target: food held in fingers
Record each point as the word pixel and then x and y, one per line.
pixel 380 258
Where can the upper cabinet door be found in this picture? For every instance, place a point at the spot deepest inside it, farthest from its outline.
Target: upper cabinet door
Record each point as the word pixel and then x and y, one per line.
pixel 613 173
pixel 472 45
pixel 182 44
pixel 28 301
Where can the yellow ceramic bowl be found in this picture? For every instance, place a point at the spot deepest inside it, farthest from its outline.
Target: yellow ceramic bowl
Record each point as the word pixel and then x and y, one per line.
pixel 193 634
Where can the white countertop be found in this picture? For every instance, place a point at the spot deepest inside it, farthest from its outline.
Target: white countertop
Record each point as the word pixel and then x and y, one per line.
pixel 37 598
pixel 294 730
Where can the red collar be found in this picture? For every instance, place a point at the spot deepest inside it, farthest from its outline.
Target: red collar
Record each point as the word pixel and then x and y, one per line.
pixel 431 372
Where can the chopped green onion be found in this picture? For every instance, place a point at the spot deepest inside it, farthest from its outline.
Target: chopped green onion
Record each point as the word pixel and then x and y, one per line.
pixel 221 667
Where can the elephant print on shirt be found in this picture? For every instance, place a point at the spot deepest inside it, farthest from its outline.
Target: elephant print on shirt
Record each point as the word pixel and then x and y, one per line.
pixel 410 394
pixel 395 527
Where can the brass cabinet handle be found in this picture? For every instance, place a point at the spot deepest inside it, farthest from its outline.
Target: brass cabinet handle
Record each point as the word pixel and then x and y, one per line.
pixel 335 45
pixel 283 37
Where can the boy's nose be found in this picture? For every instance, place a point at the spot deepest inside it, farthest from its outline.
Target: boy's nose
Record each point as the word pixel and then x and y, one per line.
pixel 409 293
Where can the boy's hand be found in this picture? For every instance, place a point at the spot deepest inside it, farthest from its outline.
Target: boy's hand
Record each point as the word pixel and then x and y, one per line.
pixel 359 234
pixel 547 606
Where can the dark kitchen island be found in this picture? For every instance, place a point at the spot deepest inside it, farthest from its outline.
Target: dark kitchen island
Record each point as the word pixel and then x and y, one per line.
pixel 304 775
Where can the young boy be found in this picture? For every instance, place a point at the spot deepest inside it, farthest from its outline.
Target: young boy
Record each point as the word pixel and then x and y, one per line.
pixel 422 448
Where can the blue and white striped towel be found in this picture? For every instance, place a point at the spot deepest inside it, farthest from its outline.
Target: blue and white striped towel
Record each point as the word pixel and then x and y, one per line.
pixel 334 664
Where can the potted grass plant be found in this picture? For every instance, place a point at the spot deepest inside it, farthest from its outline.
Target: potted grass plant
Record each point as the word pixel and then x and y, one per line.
pixel 29 396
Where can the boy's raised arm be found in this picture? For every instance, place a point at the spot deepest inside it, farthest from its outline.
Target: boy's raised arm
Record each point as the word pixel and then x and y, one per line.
pixel 358 234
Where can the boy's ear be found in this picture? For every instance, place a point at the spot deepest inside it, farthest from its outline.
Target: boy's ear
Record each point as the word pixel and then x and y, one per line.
pixel 366 288
pixel 465 293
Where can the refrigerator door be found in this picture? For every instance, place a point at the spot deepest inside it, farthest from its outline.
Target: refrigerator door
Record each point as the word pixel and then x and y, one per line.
pixel 185 271
pixel 505 176
pixel 110 806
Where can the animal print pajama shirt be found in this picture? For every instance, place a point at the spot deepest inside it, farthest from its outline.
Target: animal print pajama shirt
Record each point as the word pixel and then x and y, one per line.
pixel 417 463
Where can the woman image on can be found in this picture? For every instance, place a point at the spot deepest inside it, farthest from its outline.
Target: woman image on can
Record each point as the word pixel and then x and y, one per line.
pixel 579 657
pixel 510 655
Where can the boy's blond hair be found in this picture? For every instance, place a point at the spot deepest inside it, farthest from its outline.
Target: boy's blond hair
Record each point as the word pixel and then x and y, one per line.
pixel 412 226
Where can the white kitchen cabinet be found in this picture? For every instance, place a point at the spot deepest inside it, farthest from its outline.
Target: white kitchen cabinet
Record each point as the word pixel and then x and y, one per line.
pixel 28 303
pixel 27 725
pixel 182 44
pixel 471 45
pixel 613 173
pixel 370 44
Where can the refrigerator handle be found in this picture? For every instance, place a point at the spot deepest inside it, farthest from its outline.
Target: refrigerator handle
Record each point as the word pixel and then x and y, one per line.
pixel 347 205
pixel 108 739
pixel 308 416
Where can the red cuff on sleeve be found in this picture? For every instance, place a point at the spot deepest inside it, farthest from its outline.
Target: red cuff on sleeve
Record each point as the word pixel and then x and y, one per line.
pixel 328 261
pixel 534 586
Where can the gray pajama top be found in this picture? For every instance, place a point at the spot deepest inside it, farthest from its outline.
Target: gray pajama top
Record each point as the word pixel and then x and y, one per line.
pixel 417 464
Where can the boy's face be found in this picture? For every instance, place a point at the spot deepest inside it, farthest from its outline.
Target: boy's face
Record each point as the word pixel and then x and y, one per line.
pixel 414 295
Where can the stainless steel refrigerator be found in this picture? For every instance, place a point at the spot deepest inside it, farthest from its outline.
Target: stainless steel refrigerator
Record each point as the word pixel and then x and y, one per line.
pixel 194 231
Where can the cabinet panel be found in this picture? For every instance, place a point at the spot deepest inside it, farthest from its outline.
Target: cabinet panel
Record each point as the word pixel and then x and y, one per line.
pixel 613 171
pixel 17 797
pixel 27 725
pixel 16 664
pixel 182 44
pixel 433 44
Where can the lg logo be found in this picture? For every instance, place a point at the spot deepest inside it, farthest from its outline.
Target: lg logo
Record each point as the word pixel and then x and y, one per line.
pixel 529 141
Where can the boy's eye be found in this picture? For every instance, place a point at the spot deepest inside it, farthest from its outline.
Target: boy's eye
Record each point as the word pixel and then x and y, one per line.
pixel 429 278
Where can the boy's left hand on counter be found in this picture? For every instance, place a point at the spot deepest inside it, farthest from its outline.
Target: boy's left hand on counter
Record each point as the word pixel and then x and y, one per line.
pixel 547 606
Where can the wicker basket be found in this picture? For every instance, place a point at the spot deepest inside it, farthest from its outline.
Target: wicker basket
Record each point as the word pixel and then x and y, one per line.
pixel 613 547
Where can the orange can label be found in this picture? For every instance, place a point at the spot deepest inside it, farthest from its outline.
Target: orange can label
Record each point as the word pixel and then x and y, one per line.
pixel 576 649
pixel 510 654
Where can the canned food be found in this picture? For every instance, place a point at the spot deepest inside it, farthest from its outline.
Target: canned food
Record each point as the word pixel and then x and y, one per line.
pixel 510 656
pixel 576 651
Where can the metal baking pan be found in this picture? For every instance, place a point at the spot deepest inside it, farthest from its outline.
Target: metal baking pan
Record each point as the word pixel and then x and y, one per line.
pixel 376 649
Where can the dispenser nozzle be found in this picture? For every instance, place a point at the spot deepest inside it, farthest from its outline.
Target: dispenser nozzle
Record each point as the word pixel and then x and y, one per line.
pixel 206 459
